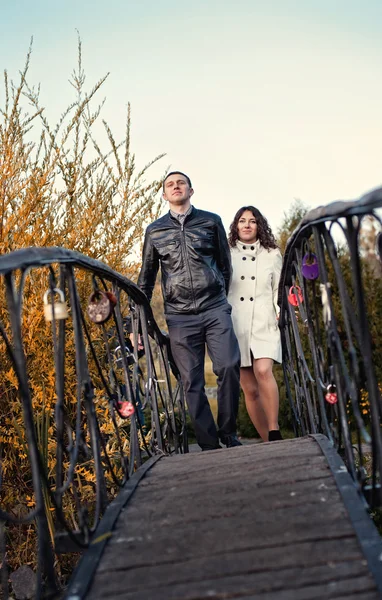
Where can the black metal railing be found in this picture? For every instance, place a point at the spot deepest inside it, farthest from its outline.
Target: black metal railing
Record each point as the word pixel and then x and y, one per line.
pixel 89 392
pixel 330 298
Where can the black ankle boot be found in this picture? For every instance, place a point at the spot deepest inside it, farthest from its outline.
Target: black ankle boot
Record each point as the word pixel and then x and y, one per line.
pixel 274 435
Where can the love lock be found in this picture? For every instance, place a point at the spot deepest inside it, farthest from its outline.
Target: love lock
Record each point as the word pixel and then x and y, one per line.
pixel 331 394
pixel 126 409
pixel 100 306
pixel 59 308
pixel 295 292
pixel 309 267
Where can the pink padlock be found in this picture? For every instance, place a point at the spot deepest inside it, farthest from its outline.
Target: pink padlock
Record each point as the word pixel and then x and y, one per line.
pixel 331 394
pixel 295 291
pixel 126 409
pixel 331 398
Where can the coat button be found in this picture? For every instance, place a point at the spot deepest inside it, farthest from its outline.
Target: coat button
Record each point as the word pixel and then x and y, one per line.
pixel 251 299
pixel 242 277
pixel 244 247
pixel 242 299
pixel 244 258
pixel 253 258
pixel 252 247
pixel 253 277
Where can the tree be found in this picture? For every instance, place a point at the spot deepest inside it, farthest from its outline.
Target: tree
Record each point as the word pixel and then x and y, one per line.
pixel 290 221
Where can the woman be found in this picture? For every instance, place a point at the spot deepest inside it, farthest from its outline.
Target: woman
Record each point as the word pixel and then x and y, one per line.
pixel 256 262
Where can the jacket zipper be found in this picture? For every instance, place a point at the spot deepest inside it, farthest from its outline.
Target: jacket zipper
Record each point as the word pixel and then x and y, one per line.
pixel 183 241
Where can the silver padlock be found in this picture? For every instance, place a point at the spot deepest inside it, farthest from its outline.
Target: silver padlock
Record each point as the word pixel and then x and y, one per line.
pixel 60 308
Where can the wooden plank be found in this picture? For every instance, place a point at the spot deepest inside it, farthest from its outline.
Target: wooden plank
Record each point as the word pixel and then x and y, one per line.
pixel 262 477
pixel 229 516
pixel 280 468
pixel 234 460
pixel 235 456
pixel 253 582
pixel 347 589
pixel 291 494
pixel 150 545
pixel 271 558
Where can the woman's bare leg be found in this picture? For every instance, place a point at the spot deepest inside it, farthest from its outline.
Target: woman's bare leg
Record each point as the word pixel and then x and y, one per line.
pixel 255 410
pixel 268 390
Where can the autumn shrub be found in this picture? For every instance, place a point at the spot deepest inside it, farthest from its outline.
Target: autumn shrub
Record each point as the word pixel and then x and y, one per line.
pixel 364 407
pixel 58 187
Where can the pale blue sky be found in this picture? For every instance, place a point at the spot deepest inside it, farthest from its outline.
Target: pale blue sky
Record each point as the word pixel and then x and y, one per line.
pixel 259 103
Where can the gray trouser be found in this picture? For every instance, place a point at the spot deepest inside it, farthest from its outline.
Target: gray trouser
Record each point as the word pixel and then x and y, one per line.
pixel 189 335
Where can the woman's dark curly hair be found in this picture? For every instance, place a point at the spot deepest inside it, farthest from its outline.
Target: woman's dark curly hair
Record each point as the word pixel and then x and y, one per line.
pixel 264 232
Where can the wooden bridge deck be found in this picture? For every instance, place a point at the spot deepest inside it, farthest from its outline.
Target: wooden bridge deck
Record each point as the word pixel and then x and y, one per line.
pixel 261 521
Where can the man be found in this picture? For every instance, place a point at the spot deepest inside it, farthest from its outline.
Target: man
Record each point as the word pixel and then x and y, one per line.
pixel 191 247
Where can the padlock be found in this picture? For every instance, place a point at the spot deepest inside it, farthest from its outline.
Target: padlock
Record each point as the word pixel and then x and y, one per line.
pixel 309 267
pixel 100 306
pixel 126 409
pixel 295 291
pixel 59 308
pixel 331 395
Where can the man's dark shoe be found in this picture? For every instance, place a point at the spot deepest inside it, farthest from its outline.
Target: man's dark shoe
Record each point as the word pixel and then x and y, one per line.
pixel 205 448
pixel 274 435
pixel 230 441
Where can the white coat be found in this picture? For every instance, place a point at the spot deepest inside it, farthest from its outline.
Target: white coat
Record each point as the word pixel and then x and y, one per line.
pixel 253 297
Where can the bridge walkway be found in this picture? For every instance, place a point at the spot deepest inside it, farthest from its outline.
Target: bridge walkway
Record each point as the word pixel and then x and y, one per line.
pixel 265 521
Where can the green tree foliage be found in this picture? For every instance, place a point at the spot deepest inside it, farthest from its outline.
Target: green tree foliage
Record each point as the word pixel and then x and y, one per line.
pixel 291 219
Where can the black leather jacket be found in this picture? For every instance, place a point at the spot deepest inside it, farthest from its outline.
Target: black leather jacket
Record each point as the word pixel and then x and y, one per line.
pixel 195 262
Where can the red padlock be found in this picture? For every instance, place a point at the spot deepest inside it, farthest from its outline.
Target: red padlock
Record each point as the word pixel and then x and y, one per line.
pixel 331 398
pixel 126 409
pixel 331 394
pixel 295 292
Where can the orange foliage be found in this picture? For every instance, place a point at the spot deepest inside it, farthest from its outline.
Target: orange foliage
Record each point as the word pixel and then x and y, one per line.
pixel 58 188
